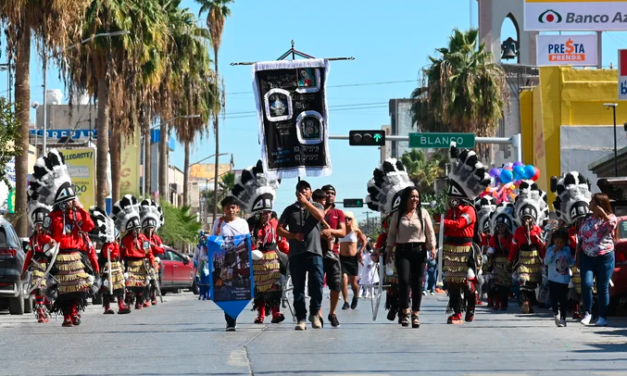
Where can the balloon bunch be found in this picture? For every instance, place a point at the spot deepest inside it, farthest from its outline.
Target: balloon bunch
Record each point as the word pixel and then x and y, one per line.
pixel 505 180
pixel 515 173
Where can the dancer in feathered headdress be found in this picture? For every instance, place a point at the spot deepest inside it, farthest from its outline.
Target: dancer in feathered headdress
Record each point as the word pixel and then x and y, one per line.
pixel 109 260
pixel 384 195
pixel 151 216
pixel 528 248
pixel 136 250
pixel 485 207
pixel 68 223
pixel 467 179
pixel 37 257
pixel 502 227
pixel 256 195
pixel 571 204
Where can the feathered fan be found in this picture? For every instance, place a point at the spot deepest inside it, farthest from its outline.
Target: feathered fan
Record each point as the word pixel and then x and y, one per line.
pixel 253 191
pixel 384 189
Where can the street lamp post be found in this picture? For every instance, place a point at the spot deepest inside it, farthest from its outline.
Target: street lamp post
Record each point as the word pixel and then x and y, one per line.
pixel 143 153
pixel 45 61
pixel 613 107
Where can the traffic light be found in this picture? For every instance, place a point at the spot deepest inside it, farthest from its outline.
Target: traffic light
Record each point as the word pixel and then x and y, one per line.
pixel 366 138
pixel 353 203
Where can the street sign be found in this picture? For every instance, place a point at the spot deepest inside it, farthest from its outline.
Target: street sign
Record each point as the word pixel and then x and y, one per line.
pixel 441 140
pixel 74 134
pixel 622 74
pixel 353 203
pixel 366 138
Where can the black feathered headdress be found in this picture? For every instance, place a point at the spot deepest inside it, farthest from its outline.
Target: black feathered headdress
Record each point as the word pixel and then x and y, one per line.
pixel 253 190
pixel 384 189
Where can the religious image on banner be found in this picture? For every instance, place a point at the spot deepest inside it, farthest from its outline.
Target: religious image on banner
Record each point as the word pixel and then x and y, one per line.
pixel 231 274
pixel 293 119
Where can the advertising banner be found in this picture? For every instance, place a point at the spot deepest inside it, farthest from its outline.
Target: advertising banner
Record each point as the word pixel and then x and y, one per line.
pixel 129 171
pixel 622 75
pixel 293 120
pixel 81 164
pixel 575 50
pixel 576 15
pixel 231 272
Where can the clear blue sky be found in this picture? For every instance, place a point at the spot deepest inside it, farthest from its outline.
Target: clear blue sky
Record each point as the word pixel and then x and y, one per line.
pixel 389 40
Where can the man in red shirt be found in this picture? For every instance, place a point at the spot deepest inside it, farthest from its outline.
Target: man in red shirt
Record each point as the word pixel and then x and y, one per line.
pixel 337 229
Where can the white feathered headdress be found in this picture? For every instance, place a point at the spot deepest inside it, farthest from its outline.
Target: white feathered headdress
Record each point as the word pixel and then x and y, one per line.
pixel 51 184
pixel 37 211
pixel 151 214
pixel 485 206
pixel 253 191
pixel 104 228
pixel 503 215
pixel 386 185
pixel 125 214
pixel 531 202
pixel 572 197
pixel 468 176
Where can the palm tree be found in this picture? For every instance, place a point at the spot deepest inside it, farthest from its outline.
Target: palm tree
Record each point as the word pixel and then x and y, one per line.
pixel 422 171
pixel 463 91
pixel 111 68
pixel 217 12
pixel 53 23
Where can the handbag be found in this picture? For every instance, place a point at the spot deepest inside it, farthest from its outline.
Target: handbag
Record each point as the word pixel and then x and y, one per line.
pixel 283 259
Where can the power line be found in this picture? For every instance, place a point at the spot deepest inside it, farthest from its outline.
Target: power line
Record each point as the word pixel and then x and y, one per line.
pixel 345 85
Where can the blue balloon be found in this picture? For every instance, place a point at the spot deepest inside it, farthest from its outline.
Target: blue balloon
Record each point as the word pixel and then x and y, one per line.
pixel 519 173
pixel 530 171
pixel 506 177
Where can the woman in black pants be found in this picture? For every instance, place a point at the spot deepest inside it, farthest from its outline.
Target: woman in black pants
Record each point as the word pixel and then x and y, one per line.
pixel 412 233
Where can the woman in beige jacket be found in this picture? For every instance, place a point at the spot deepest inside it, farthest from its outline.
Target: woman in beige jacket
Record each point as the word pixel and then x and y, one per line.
pixel 411 231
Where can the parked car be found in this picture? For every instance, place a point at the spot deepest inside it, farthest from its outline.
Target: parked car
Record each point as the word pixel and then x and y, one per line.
pixel 12 255
pixel 178 271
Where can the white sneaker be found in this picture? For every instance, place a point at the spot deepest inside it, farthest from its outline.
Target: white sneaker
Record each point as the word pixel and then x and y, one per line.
pixel 424 293
pixel 557 320
pixel 601 322
pixel 432 293
pixel 562 324
pixel 586 319
pixel 301 325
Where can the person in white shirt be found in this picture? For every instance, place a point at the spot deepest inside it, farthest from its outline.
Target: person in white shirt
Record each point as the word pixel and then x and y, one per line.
pixel 230 225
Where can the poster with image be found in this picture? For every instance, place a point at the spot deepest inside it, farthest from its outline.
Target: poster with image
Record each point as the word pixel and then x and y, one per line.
pixel 231 273
pixel 293 119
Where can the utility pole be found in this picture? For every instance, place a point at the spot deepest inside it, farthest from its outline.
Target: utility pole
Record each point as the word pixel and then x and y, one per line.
pixel 367 221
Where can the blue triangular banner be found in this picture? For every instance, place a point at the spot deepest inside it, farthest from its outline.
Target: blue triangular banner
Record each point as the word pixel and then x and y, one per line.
pixel 231 272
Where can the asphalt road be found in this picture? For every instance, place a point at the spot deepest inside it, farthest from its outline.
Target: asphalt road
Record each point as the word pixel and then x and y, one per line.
pixel 185 336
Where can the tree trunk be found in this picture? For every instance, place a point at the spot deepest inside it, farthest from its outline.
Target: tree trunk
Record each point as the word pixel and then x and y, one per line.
pixel 102 143
pixel 147 170
pixel 216 129
pixel 22 99
pixel 186 175
pixel 115 150
pixel 163 161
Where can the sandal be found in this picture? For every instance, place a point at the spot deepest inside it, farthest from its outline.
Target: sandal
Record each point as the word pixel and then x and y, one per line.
pixel 404 318
pixel 415 321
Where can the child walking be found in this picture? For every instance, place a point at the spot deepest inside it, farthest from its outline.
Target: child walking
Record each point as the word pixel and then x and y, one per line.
pixel 558 260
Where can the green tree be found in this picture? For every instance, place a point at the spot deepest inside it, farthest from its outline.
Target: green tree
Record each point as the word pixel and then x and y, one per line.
pixel 217 12
pixel 422 171
pixel 10 146
pixel 181 226
pixel 463 90
pixel 53 23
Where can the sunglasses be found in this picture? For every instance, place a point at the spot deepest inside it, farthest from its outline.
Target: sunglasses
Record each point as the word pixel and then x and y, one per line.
pixel 349 219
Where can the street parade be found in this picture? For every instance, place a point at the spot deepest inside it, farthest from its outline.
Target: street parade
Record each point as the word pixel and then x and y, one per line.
pixel 229 187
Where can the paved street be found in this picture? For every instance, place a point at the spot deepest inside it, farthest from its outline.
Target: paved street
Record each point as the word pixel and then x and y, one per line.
pixel 186 337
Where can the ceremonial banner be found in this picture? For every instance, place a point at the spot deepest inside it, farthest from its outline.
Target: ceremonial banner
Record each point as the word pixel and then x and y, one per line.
pixel 231 273
pixel 293 119
pixel 81 164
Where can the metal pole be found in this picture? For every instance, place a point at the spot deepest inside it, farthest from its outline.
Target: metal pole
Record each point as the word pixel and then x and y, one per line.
pixel 143 156
pixel 45 127
pixel 600 49
pixel 615 147
pixel 516 142
pixel 439 282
